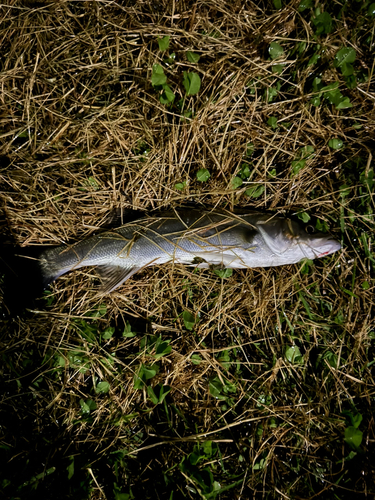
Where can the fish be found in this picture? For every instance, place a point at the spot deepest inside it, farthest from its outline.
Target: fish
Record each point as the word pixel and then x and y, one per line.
pixel 200 237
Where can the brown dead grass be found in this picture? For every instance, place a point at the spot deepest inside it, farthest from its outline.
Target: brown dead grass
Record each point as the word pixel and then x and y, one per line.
pixel 82 132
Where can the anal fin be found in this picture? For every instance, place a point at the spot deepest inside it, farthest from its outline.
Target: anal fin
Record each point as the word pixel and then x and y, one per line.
pixel 113 276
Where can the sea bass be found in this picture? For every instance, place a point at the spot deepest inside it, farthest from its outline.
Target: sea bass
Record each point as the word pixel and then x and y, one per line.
pixel 190 236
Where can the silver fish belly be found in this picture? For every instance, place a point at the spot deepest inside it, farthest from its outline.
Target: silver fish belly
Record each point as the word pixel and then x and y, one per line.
pixel 191 237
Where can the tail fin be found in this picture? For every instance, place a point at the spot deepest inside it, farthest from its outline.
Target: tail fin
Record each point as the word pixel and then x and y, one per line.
pixel 21 278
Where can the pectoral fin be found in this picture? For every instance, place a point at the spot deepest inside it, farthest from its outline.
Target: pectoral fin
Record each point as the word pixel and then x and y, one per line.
pixel 113 276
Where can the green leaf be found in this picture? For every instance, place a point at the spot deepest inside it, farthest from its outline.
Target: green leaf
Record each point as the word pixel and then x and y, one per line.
pixel 307 266
pixel 357 419
pixel 255 191
pixel 215 386
pixel 354 417
pixel 347 69
pixel 167 96
pixel 307 152
pixel 144 373
pixel 286 125
pixel 301 47
pixel 317 84
pixel 305 4
pixel 272 423
pixel 277 68
pixel 365 285
pixel 297 166
pixel 60 361
pixel 102 388
pixel 272 122
pixel 351 81
pixel 278 4
pixel 203 175
pixel 48 297
pixel 192 57
pixel 344 190
pixel 332 93
pixel 344 56
pixel 208 449
pixel 127 333
pixel 260 465
pixel 164 43
pixel 351 455
pixel 180 186
pixel 87 406
pixel 158 77
pixel 304 217
pixel 163 392
pixel 158 394
pixel 195 359
pixel 331 357
pixel 98 311
pixel 272 173
pixel 335 143
pixel 148 372
pixel 162 348
pixel 331 86
pixel 334 96
pixel 323 23
pixel 152 395
pixel 189 320
pixel 224 359
pixel 85 409
pixel 192 83
pixel 371 10
pixel 237 182
pixel 170 59
pixel 270 94
pixel 245 171
pixel 93 183
pixel 275 50
pixel 264 400
pixel 344 104
pixel 108 333
pixel 353 437
pixel 70 468
pixel 91 404
pixel 249 148
pixel 293 354
pixel 313 59
pixel 223 273
pixel 367 178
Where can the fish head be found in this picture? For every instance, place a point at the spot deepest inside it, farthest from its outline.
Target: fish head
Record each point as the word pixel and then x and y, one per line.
pixel 289 239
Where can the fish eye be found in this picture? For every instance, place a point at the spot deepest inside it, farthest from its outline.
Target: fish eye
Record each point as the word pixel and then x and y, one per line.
pixel 310 229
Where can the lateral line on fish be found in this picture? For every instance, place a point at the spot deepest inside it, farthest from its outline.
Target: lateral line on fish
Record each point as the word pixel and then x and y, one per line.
pixel 181 237
pixel 158 246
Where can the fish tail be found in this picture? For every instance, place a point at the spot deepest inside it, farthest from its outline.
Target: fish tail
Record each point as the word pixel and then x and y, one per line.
pixel 23 277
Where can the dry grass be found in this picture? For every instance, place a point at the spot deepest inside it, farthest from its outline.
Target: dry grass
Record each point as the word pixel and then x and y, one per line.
pixel 82 131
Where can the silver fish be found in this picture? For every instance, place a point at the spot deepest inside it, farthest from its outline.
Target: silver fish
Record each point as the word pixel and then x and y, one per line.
pixel 192 237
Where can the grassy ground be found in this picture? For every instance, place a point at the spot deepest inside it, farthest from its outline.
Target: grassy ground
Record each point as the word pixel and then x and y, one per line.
pixel 182 383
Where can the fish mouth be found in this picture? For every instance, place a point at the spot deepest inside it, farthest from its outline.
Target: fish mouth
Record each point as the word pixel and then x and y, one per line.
pixel 325 247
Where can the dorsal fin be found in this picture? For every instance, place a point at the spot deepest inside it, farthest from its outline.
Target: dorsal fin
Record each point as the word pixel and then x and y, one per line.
pixel 120 216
